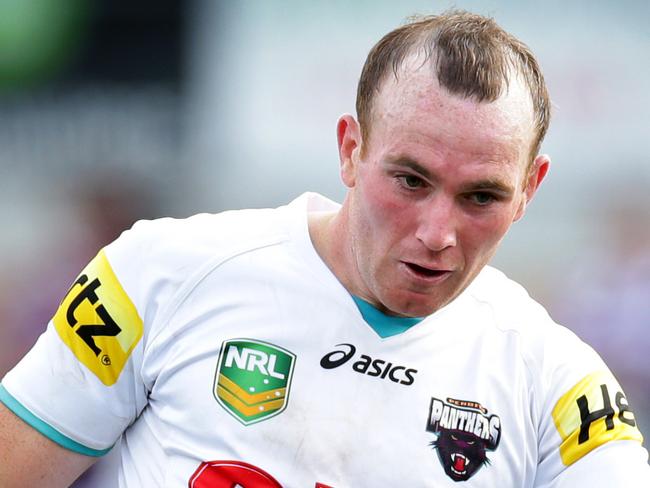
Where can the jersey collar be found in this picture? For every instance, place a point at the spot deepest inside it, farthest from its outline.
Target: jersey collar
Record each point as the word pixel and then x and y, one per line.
pixel 384 325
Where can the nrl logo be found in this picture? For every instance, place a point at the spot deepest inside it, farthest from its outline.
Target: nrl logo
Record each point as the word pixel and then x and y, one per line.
pixel 464 433
pixel 253 378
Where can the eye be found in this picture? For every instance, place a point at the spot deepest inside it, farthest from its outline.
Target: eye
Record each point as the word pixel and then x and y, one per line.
pixel 453 437
pixel 481 198
pixel 410 181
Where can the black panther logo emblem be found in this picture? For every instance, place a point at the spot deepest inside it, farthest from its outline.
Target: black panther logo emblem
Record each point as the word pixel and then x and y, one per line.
pixel 460 453
pixel 464 433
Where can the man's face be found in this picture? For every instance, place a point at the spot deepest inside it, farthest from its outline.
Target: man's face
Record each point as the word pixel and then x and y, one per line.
pixel 440 182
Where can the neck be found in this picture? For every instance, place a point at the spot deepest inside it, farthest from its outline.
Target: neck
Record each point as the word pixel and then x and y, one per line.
pixel 329 235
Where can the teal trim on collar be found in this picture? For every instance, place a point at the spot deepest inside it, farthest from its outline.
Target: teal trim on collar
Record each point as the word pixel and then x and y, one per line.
pixel 54 435
pixel 384 325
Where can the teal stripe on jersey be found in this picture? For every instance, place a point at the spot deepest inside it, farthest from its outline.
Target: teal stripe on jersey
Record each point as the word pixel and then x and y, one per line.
pixel 54 435
pixel 384 325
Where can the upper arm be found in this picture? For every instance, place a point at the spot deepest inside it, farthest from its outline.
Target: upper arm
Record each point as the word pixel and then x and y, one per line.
pixel 28 458
pixel 618 463
pixel 588 432
pixel 84 383
pixel 79 387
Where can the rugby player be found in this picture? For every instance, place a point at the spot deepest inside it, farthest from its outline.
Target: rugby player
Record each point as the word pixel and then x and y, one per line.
pixel 366 344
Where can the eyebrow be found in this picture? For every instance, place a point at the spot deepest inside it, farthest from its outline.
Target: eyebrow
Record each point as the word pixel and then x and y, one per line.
pixel 489 184
pixel 409 163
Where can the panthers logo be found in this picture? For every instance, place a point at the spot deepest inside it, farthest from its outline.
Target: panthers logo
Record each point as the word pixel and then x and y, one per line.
pixel 464 433
pixel 460 453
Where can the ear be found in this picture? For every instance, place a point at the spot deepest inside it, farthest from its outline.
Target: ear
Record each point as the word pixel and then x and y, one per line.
pixel 349 140
pixel 536 174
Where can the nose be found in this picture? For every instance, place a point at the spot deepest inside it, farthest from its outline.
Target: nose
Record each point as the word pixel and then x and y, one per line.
pixel 437 225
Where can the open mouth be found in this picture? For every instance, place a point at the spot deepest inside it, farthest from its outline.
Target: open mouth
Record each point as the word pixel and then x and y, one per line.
pixel 426 272
pixel 459 463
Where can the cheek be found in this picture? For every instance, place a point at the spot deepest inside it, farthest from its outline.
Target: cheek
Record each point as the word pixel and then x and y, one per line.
pixel 381 224
pixel 481 236
pixel 382 210
pixel 384 206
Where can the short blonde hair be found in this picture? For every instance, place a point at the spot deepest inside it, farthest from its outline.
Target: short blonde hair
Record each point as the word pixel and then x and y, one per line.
pixel 473 57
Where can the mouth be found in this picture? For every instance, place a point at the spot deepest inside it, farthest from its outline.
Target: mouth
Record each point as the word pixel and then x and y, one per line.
pixel 459 463
pixel 425 273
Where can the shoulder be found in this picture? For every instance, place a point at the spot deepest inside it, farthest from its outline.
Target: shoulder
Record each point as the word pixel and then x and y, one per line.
pixel 190 241
pixel 201 234
pixel 514 310
pixel 181 246
pixel 157 262
pixel 573 390
pixel 557 359
pixel 182 249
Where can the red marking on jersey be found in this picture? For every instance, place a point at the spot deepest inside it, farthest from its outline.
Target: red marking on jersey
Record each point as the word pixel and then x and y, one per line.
pixel 231 474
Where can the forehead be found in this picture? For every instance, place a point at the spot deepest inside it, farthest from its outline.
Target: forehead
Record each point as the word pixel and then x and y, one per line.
pixel 414 104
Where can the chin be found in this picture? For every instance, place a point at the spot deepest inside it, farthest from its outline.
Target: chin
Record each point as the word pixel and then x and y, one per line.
pixel 414 305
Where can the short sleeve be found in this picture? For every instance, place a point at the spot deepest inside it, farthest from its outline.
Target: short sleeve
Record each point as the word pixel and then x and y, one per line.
pixel 588 434
pixel 81 384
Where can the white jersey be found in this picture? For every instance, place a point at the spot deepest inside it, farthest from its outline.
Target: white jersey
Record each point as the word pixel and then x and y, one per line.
pixel 223 352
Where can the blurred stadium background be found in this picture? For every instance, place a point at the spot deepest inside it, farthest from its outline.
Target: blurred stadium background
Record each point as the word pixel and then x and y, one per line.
pixel 115 111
